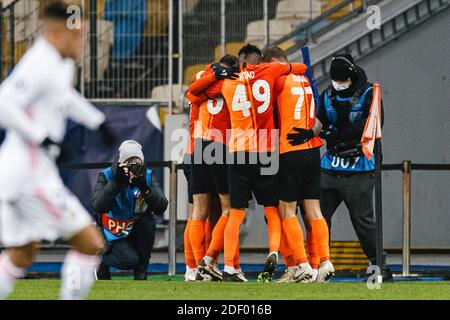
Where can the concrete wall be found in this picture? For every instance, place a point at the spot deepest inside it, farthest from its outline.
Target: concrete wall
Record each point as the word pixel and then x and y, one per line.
pixel 414 73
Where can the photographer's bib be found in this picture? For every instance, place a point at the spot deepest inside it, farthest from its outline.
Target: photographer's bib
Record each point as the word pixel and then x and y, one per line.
pixel 355 106
pixel 127 207
pixel 358 164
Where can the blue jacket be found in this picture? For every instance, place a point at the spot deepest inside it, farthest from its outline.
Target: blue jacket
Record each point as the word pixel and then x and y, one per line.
pixel 345 114
pixel 356 118
pixel 119 206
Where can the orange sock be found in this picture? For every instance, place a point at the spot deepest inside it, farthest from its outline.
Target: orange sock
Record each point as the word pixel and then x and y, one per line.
pixel 237 257
pixel 321 237
pixel 286 251
pixel 208 233
pixel 294 236
pixel 197 238
pixel 231 238
pixel 188 253
pixel 274 226
pixel 313 250
pixel 217 238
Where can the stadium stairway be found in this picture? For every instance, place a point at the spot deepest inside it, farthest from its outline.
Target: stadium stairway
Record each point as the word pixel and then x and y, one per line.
pixel 398 17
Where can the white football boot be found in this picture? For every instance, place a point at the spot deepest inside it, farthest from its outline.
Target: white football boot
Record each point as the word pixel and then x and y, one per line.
pixel 240 274
pixel 326 271
pixel 288 275
pixel 315 272
pixel 190 274
pixel 303 273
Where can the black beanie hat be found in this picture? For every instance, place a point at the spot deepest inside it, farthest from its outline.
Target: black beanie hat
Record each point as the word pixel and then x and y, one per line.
pixel 342 67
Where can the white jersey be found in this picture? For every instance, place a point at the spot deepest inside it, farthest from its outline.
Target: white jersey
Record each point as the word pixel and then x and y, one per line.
pixel 36 101
pixel 40 87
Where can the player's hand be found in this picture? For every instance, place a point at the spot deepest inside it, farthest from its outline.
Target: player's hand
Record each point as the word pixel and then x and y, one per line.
pixel 227 73
pixel 108 137
pixel 300 137
pixel 122 174
pixel 331 135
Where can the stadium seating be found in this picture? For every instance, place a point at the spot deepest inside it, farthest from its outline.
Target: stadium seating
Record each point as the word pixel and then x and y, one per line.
pixel 157 21
pixel 297 12
pixel 230 48
pixel 105 40
pixel 277 29
pixel 26 20
pixel 328 4
pixel 189 6
pixel 162 92
pixel 191 71
pixel 129 18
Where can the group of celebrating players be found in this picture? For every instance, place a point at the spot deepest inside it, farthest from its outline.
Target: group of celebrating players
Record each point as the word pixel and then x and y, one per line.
pixel 254 132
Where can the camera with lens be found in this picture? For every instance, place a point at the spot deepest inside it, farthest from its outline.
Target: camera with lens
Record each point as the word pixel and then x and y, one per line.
pixel 136 168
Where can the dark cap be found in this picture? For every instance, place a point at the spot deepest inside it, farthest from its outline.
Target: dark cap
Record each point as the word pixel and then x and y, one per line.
pixel 342 67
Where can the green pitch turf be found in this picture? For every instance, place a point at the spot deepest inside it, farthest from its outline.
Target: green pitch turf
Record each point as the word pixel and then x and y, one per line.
pixel 161 288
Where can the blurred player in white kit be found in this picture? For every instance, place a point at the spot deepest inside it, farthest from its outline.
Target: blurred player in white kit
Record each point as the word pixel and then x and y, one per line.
pixel 36 100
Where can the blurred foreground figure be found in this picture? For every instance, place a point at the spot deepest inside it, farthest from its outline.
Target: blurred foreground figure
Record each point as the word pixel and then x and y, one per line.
pixel 36 102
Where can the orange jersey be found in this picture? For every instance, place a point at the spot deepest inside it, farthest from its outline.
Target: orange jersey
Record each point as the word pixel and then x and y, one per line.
pixel 214 118
pixel 296 109
pixel 250 103
pixel 193 118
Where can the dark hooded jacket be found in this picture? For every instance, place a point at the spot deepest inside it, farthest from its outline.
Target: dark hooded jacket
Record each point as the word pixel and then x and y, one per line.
pixel 348 132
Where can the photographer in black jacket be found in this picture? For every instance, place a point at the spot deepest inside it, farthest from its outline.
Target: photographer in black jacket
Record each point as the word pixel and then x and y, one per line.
pixel 347 176
pixel 125 198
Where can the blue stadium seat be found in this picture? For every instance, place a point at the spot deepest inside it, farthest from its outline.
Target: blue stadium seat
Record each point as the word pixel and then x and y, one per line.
pixel 129 17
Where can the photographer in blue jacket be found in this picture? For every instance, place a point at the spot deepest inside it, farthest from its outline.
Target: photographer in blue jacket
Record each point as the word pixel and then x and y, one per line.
pixel 126 198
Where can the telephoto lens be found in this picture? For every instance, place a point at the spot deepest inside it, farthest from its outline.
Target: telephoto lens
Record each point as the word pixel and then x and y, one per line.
pixel 137 168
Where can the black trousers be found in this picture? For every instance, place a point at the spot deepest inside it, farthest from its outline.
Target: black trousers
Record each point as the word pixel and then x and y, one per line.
pixel 135 250
pixel 356 191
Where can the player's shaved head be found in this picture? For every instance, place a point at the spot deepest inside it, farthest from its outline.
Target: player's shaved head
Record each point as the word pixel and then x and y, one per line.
pixel 275 54
pixel 63 25
pixel 250 54
pixel 229 60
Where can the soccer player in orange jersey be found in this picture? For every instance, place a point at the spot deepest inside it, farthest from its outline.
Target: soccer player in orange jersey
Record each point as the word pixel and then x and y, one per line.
pixel 191 266
pixel 252 144
pixel 300 169
pixel 209 170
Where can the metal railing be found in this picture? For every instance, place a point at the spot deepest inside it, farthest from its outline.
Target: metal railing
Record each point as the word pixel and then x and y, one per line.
pixel 309 31
pixel 407 167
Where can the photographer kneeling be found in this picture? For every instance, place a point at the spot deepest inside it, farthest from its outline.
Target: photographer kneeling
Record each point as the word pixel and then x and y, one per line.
pixel 126 197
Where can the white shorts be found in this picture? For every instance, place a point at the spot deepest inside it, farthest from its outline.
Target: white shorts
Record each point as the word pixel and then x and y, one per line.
pixel 41 216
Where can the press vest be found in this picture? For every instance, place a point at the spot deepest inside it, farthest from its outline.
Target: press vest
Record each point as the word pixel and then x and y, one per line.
pixel 118 222
pixel 356 104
